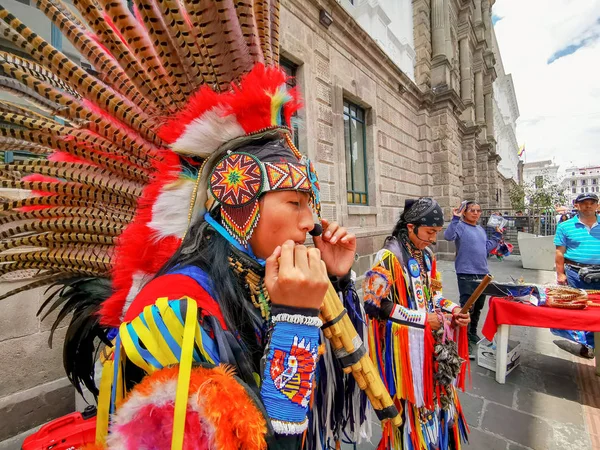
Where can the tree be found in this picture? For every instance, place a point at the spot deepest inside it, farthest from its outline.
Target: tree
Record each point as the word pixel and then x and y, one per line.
pixel 517 197
pixel 538 195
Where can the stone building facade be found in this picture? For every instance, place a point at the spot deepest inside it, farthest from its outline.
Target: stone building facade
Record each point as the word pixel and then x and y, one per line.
pixel 506 113
pixel 426 133
pixel 580 180
pixel 431 134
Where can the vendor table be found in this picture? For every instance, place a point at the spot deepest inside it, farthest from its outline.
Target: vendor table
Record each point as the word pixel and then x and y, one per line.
pixel 504 313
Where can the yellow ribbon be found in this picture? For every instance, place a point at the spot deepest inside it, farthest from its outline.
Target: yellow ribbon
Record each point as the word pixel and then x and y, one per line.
pixel 185 369
pixel 102 416
pixel 145 330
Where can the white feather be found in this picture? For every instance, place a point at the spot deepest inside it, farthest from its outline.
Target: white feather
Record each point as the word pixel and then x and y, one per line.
pixel 170 211
pixel 139 279
pixel 204 135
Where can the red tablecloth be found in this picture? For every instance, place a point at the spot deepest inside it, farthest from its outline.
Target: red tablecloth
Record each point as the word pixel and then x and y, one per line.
pixel 506 312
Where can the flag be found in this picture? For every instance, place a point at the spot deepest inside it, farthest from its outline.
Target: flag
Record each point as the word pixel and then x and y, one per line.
pixel 521 150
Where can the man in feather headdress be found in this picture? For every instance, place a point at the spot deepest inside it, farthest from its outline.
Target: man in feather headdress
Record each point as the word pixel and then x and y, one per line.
pixel 174 177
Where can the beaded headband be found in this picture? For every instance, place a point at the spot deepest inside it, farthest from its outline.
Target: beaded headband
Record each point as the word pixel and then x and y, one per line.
pixel 239 179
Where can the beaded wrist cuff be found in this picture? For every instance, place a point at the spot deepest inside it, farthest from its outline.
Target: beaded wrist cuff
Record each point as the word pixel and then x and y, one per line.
pixel 289 371
pixel 298 319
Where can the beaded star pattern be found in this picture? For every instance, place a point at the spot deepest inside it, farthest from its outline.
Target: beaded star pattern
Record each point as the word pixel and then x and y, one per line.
pixel 237 179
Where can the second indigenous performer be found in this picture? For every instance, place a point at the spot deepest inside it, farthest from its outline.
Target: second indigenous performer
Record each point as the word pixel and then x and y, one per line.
pixel 417 337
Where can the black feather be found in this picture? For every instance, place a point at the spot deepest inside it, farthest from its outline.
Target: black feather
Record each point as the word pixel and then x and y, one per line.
pixel 81 298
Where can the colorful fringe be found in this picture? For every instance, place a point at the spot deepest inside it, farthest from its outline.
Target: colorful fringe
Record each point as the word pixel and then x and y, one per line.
pixel 405 359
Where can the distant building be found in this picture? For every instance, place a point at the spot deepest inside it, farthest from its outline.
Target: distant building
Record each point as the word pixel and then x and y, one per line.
pixel 506 113
pixel 580 180
pixel 538 171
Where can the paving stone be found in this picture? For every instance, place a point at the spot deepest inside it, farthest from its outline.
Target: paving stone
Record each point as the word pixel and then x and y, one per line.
pixel 550 407
pixel 376 437
pixel 481 370
pixel 488 388
pixel 568 437
pixel 562 387
pixel 472 408
pixel 548 364
pixel 479 440
pixel 549 348
pixel 527 377
pixel 517 426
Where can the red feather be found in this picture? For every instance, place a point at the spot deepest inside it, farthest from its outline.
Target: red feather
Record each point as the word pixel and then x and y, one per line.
pixel 67 157
pixel 250 102
pixel 137 250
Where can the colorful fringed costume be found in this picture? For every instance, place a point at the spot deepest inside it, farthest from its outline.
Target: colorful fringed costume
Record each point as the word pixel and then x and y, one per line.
pixel 418 366
pixel 141 211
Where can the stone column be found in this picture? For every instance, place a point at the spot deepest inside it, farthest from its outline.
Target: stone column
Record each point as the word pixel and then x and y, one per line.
pixel 482 178
pixel 479 102
pixel 469 163
pixel 422 38
pixel 487 21
pixel 440 35
pixel 466 82
pixel 439 25
pixel 489 115
pixel 477 12
pixel 492 179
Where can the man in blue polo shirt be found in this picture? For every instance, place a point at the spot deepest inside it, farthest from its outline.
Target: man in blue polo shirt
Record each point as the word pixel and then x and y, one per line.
pixel 577 243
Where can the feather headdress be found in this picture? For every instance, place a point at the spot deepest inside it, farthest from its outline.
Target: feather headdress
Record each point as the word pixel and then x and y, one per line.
pixel 128 147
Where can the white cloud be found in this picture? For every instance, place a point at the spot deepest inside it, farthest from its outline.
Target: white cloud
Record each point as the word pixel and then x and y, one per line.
pixel 559 102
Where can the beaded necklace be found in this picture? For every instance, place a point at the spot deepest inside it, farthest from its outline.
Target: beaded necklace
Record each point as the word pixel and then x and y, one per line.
pixel 252 282
pixel 418 256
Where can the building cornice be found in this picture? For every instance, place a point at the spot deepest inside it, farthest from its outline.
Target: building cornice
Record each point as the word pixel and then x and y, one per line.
pixel 444 95
pixel 360 39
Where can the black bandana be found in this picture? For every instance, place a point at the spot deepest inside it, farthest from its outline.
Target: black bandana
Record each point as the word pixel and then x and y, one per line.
pixel 425 212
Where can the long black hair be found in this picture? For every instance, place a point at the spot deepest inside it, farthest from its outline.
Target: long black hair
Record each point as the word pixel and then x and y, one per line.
pixel 207 249
pixel 400 231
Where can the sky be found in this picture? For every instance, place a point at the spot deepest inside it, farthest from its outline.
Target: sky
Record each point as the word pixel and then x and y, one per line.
pixel 552 50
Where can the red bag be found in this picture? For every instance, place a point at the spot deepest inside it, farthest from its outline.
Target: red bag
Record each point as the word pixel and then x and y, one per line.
pixel 69 432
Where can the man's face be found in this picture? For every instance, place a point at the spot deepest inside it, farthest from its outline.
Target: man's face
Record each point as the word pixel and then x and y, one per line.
pixel 587 207
pixel 424 237
pixel 472 213
pixel 284 215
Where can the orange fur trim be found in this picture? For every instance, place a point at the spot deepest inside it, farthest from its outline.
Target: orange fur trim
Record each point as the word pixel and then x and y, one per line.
pixel 236 421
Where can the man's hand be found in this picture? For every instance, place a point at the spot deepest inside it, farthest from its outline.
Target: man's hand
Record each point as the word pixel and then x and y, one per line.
pixel 460 320
pixel 457 212
pixel 337 247
pixel 499 230
pixel 296 276
pixel 561 279
pixel 434 321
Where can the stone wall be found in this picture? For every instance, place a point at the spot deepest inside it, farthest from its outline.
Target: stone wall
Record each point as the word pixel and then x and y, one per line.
pixel 33 387
pixel 344 63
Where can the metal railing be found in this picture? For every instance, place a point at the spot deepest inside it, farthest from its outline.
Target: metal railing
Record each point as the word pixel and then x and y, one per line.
pixel 541 223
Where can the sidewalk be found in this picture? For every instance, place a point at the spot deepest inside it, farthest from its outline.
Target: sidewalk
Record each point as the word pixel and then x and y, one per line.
pixel 550 402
